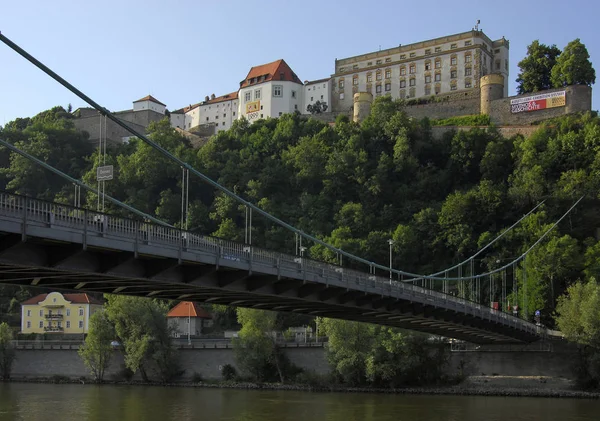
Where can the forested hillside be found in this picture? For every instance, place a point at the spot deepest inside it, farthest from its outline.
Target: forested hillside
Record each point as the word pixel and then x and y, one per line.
pixel 355 187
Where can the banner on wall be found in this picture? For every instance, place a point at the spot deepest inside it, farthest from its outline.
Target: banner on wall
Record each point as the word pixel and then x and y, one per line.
pixel 538 102
pixel 252 107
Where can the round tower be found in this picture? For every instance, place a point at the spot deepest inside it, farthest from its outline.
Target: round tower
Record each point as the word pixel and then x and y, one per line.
pixel 362 106
pixel 491 89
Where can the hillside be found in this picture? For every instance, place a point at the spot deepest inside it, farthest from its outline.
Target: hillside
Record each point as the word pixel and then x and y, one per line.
pixel 356 186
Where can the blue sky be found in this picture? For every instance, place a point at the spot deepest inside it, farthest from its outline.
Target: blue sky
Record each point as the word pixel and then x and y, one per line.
pixel 179 51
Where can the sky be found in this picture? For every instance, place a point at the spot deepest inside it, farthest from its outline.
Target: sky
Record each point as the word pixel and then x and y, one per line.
pixel 180 51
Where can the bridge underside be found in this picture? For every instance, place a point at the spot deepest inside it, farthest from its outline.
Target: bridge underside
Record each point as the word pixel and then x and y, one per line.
pixel 64 265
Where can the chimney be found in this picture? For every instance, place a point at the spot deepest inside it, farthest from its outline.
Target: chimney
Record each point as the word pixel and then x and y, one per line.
pixel 212 96
pixel 206 98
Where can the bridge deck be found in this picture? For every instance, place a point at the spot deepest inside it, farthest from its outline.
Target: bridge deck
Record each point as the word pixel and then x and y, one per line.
pixel 56 246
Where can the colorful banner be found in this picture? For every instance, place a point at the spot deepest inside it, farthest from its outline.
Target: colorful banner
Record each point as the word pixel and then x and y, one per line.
pixel 252 107
pixel 538 102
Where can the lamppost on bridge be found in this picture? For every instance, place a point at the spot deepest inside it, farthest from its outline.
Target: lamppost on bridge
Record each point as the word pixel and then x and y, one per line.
pixel 390 242
pixel 302 250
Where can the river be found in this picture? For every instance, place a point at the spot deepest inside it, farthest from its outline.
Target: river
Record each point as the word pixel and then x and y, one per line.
pixel 33 402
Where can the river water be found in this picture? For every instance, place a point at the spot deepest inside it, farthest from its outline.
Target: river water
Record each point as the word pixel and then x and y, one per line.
pixel 34 402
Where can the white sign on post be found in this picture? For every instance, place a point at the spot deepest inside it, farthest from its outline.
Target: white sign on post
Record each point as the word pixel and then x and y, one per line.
pixel 104 173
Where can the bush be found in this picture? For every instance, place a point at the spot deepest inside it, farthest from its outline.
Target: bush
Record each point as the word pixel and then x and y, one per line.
pixel 196 378
pixel 465 120
pixel 228 372
pixel 57 378
pixel 315 380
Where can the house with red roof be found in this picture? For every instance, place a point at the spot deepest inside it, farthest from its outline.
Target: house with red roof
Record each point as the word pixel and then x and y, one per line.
pixel 188 318
pixel 58 313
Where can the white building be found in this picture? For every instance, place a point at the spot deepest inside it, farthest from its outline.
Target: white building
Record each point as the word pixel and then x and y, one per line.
pixel 149 103
pixel 218 111
pixel 439 66
pixel 270 90
pixel 317 90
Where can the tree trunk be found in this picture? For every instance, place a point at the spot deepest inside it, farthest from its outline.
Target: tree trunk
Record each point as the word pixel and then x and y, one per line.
pixel 143 373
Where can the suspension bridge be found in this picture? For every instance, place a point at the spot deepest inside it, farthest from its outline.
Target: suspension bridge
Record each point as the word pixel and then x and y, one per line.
pixel 59 246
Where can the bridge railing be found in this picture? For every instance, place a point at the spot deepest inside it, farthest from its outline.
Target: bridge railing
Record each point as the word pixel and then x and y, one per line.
pixel 55 214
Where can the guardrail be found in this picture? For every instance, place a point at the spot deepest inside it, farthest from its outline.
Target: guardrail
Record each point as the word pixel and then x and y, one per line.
pixel 91 222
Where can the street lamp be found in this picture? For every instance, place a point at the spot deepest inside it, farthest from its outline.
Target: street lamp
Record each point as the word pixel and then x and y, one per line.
pixel 390 242
pixel 302 250
pixel 189 322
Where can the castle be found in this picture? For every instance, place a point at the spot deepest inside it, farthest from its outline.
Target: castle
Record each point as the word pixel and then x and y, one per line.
pixel 455 75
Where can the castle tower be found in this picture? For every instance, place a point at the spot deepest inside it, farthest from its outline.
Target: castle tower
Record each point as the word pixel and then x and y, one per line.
pixel 491 89
pixel 362 106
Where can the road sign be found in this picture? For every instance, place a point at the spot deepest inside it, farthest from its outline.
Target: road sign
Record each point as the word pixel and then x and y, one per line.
pixel 104 173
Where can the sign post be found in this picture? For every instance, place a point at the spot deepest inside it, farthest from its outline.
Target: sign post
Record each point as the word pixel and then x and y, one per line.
pixel 104 173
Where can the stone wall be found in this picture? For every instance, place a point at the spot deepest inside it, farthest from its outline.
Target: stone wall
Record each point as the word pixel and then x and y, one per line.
pixel 578 99
pixel 208 362
pixel 444 109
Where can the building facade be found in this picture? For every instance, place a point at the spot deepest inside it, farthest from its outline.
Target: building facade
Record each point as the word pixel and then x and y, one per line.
pixel 188 318
pixel 317 90
pixel 58 313
pixel 450 64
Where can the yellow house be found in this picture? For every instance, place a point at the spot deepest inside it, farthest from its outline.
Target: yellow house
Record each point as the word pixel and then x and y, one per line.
pixel 58 313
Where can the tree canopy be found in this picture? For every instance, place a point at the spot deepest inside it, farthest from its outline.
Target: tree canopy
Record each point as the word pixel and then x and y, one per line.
pixel 536 68
pixel 573 67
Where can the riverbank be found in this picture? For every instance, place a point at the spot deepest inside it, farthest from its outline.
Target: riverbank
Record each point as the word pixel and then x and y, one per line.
pixel 508 386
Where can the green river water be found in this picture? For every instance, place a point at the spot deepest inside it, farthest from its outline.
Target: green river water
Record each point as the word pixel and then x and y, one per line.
pixel 21 401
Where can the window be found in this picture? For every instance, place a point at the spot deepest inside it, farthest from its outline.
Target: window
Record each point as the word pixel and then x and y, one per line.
pixel 497 51
pixel 438 64
pixel 41 313
pixel 355 80
pixel 388 74
pixel 247 96
pixel 207 118
pixel 428 66
pixel 81 324
pixel 468 71
pixel 321 96
pixel 28 324
pixel 224 115
pixel 467 84
pixel 468 58
pixel 341 84
pixel 506 64
pixel 295 106
pixel 216 117
pixel 413 69
pixel 413 81
pixel 341 95
pixel 28 313
pixel 68 312
pixel 80 312
pixel 428 79
pixel 453 74
pixel 403 84
pixel 280 113
pixel 378 75
pixel 497 64
pixel 311 98
pixel 428 51
pixel 402 56
pixel 369 78
pixel 379 61
pixel 257 94
pixel 413 54
pixel 342 69
pixel 293 94
pixel 402 93
pixel 370 63
pixel 438 77
pixel 452 46
pixel 388 87
pixel 453 87
pixel 388 60
pixel 378 89
pixel 59 324
pixel 402 71
pixel 234 113
pixel 277 90
pixel 453 61
pixel 411 92
pixel 467 43
pixel 68 324
pixel 41 324
pixel 437 89
pixel 261 116
pixel 427 89
pixel 355 67
pixel 438 49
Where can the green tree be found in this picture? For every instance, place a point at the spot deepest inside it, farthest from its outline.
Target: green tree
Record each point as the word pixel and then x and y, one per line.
pixel 7 352
pixel 97 350
pixel 141 326
pixel 573 67
pixel 317 108
pixel 256 347
pixel 536 68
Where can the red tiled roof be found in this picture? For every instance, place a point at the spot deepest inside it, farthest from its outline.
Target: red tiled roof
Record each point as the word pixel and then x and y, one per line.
pixel 79 298
pixel 277 70
pixel 187 308
pixel 149 98
pixel 226 97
